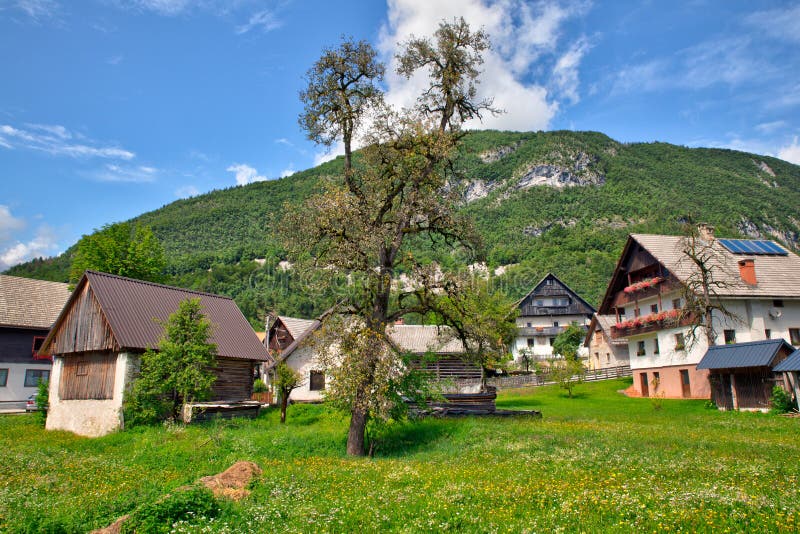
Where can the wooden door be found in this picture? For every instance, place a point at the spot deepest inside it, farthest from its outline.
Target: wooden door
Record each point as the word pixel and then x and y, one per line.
pixel 645 387
pixel 686 388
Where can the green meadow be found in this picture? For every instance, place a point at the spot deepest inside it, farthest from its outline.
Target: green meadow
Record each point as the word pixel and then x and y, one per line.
pixel 596 462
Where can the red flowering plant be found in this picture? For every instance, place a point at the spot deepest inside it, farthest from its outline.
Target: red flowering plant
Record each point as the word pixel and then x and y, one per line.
pixel 644 284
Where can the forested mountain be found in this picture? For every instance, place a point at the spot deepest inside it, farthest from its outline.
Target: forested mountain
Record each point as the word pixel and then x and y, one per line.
pixel 543 201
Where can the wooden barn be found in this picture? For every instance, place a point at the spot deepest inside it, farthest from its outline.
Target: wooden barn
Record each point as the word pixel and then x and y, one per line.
pixel 742 375
pixel 108 322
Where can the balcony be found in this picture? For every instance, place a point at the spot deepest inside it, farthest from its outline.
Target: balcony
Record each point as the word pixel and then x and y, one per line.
pixel 531 331
pixel 624 298
pixel 650 323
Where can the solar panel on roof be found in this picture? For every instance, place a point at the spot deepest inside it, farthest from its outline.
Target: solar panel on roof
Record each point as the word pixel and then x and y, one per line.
pixel 756 247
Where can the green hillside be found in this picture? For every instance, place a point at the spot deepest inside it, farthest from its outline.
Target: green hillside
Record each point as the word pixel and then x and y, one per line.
pixel 575 231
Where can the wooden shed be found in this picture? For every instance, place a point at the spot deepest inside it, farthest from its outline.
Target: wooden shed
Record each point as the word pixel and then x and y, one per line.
pixel 108 322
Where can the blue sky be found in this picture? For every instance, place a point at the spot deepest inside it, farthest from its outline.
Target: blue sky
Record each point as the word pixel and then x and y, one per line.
pixel 111 108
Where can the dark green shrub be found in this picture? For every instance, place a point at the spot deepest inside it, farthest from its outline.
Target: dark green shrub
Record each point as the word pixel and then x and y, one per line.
pixel 259 386
pixel 180 506
pixel 781 401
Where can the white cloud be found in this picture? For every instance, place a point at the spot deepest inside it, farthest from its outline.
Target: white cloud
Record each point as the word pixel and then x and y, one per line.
pixel 522 34
pixel 778 23
pixel 187 191
pixel 125 174
pixel 57 140
pixel 264 20
pixel 791 152
pixel 245 174
pixel 44 243
pixel 36 9
pixel 163 7
pixel 115 60
pixel 770 127
pixel 8 223
pixel 284 141
pixel 287 172
pixel 329 153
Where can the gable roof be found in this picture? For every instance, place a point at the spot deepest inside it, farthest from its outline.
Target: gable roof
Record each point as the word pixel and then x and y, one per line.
pixel 777 276
pixel 296 327
pixel 792 363
pixel 29 303
pixel 750 354
pixel 603 323
pixel 582 308
pixel 420 339
pixel 135 309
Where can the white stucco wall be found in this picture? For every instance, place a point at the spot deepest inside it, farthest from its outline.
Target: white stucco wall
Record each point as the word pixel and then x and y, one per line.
pixel 303 360
pixel 541 342
pixel 15 391
pixel 90 418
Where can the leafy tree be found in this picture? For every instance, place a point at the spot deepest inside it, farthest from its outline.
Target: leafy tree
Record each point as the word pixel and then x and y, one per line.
pixel 179 372
pixel 396 194
pixel 567 373
pixel 567 342
pixel 124 249
pixel 341 90
pixel 286 380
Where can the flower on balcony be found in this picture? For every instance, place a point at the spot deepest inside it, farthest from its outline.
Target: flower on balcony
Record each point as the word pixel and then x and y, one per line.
pixel 644 284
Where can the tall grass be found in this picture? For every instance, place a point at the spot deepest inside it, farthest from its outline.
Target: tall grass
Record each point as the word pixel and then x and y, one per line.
pixel 599 461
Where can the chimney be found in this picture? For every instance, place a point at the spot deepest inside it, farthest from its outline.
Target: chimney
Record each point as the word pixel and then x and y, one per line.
pixel 706 232
pixel 747 270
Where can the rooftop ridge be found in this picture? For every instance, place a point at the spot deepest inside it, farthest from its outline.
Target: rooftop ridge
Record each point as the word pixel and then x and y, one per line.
pixel 165 286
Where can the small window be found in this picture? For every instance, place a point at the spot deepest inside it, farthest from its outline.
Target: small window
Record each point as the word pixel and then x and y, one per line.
pixel 640 350
pixel 529 324
pixel 34 376
pixel 680 342
pixel 37 344
pixel 317 381
pixel 730 336
pixel 597 356
pixel 676 304
pixel 777 303
pixel 654 308
pixel 767 333
pixel 548 282
pixel 621 312
pixel 656 379
pixel 655 346
pixel 82 368
pixel 3 377
pixel 608 357
pixel 794 336
pixel 552 340
pixel 540 303
pixel 530 341
pixel 555 324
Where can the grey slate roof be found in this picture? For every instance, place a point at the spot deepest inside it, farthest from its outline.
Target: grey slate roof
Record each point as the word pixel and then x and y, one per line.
pixel 419 339
pixel 777 276
pixel 297 327
pixel 792 363
pixel 135 310
pixel 750 354
pixel 29 303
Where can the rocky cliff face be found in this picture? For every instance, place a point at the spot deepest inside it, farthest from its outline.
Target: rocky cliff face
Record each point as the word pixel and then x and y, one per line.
pixel 575 170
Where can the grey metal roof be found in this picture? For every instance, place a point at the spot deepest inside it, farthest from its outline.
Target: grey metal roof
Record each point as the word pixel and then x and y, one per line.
pixel 297 327
pixel 420 339
pixel 135 311
pixel 750 354
pixel 25 302
pixel 792 363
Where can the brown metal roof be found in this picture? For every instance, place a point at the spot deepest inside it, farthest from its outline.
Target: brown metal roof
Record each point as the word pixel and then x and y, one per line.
pixel 135 310
pixel 29 303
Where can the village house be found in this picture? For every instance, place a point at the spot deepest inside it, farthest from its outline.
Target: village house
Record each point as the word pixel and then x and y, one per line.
pixel 28 309
pixel 790 368
pixel 286 341
pixel 604 350
pixel 757 281
pixel 108 322
pixel 544 313
pixel 741 374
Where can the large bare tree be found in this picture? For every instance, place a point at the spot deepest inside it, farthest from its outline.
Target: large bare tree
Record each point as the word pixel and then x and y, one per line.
pixel 396 190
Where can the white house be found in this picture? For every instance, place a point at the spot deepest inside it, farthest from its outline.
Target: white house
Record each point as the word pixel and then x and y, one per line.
pixel 757 281
pixel 545 312
pixel 27 310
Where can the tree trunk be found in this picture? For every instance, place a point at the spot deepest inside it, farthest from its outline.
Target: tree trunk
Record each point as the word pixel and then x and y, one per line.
pixel 284 403
pixel 355 436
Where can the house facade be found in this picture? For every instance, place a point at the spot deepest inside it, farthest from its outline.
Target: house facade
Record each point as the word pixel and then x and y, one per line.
pixel 604 350
pixel 758 282
pixel 544 313
pixel 28 309
pixel 108 322
pixel 287 340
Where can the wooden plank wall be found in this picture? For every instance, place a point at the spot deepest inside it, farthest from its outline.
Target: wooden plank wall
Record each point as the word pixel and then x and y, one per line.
pixel 84 328
pixel 452 368
pixel 234 379
pixel 88 376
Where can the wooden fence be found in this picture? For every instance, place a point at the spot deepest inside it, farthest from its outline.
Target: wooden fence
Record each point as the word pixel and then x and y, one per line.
pixel 519 381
